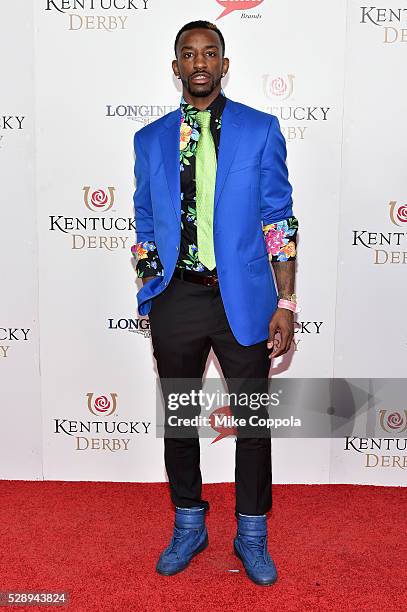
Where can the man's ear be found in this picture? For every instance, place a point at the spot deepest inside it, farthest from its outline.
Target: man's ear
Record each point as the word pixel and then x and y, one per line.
pixel 225 65
pixel 175 68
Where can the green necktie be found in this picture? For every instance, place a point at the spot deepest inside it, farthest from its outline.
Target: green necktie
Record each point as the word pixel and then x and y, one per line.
pixel 205 177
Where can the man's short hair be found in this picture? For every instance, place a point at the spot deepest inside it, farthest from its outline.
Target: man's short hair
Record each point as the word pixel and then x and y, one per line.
pixel 207 25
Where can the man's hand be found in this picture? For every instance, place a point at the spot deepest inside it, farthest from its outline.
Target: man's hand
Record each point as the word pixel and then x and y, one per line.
pixel 282 321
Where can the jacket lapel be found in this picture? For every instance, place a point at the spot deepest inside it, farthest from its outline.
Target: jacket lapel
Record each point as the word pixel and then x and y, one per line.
pixel 169 141
pixel 231 132
pixel 232 121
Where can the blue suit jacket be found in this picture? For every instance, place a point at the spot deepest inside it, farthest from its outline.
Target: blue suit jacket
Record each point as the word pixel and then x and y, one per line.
pixel 252 187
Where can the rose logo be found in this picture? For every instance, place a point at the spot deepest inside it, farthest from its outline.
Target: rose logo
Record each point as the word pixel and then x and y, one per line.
pixel 279 86
pixel 102 404
pixel 393 422
pixel 402 213
pixel 398 214
pixel 98 200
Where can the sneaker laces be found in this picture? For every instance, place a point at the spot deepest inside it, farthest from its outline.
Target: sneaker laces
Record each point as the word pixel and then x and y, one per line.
pixel 178 538
pixel 258 546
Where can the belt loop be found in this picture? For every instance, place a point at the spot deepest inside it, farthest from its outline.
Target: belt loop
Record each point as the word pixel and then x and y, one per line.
pixel 180 271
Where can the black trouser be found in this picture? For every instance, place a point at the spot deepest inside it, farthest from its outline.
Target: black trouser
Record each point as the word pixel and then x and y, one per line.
pixel 186 320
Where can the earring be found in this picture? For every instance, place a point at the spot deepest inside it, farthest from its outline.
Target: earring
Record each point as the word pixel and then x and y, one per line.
pixel 223 74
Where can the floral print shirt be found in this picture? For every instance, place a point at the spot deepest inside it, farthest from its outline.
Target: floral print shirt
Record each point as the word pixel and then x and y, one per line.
pixel 280 237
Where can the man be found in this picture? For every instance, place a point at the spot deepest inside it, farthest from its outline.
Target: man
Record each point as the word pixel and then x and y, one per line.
pixel 213 207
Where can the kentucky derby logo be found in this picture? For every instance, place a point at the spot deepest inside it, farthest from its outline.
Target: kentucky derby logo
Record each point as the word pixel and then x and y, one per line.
pixel 278 87
pixel 102 405
pixel 391 21
pixel 102 15
pixel 398 213
pixel 99 200
pixel 98 230
pixel 387 247
pixel 237 5
pixel 393 422
pixel 296 117
pixel 8 125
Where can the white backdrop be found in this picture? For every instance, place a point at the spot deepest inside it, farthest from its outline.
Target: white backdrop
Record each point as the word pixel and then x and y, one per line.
pixel 84 76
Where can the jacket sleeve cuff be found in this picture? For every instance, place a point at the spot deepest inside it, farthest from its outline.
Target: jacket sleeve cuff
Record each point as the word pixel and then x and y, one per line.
pixel 148 261
pixel 281 239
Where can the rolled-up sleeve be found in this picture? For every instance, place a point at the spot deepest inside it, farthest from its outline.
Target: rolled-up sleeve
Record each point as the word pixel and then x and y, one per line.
pixel 279 224
pixel 281 239
pixel 148 260
pixel 275 188
pixel 145 248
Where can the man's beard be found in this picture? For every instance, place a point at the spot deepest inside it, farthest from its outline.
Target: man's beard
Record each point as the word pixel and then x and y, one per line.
pixel 201 93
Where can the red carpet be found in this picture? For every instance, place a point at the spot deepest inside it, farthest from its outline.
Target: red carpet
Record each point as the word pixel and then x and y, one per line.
pixel 336 547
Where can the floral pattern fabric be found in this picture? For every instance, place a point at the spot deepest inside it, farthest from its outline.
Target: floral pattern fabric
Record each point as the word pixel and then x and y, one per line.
pixel 280 237
pixel 189 137
pixel 148 261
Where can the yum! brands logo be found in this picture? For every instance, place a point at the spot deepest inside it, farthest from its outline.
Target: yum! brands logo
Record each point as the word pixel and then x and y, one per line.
pixel 393 244
pixel 229 6
pixel 101 433
pixel 98 230
pixel 221 421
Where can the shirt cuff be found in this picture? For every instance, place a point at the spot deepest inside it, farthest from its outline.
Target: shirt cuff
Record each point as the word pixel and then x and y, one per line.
pixel 148 261
pixel 281 239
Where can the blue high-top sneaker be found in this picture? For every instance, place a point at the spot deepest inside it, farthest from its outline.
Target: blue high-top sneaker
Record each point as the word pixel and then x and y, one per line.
pixel 190 537
pixel 250 546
